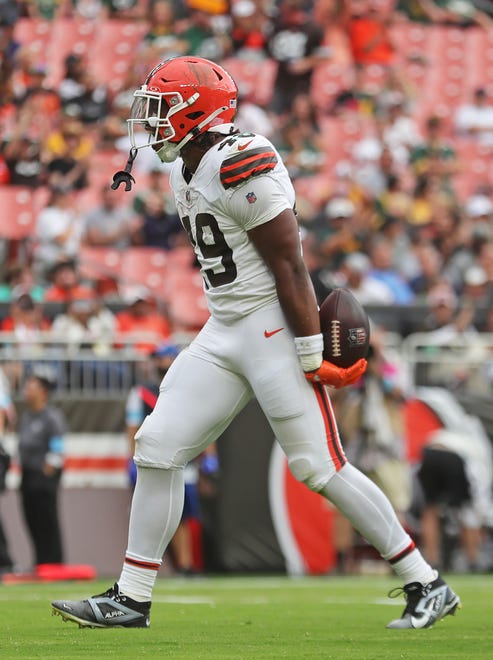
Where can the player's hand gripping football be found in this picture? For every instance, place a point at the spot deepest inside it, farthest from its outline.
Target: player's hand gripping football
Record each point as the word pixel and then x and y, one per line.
pixel 333 376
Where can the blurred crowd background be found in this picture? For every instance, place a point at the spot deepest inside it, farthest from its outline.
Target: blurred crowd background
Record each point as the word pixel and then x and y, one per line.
pixel 382 110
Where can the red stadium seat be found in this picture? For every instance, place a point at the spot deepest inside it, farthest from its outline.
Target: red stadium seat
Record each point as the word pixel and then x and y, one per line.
pixel 146 266
pixel 115 47
pixel 68 36
pixel 187 307
pixel 34 34
pixel 256 78
pixel 18 212
pixel 96 263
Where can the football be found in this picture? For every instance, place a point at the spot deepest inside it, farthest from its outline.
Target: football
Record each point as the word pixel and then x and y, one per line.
pixel 345 328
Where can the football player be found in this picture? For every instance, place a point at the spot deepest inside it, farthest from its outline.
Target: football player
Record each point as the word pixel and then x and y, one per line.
pixel 262 340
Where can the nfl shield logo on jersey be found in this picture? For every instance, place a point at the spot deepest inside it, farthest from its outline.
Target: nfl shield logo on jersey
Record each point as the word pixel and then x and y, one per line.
pixel 251 197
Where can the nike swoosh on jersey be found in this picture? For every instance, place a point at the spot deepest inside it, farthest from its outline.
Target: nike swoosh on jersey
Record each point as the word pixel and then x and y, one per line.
pixel 268 334
pixel 241 167
pixel 242 147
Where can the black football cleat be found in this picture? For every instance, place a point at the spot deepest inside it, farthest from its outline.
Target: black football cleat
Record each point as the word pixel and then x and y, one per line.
pixel 425 604
pixel 108 610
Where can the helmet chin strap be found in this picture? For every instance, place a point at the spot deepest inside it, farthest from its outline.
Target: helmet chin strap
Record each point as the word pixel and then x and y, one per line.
pixel 173 153
pixel 168 153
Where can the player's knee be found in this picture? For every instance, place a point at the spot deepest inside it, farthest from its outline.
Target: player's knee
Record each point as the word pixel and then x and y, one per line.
pixel 304 470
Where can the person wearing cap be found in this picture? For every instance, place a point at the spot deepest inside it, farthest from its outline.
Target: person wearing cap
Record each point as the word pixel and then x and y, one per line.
pixel 140 318
pixel 140 403
pixel 41 436
pixel 335 231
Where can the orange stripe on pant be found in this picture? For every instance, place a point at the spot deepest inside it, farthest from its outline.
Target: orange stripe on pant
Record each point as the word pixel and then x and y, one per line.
pixel 333 441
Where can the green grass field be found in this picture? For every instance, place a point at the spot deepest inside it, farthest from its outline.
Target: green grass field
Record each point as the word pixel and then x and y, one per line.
pixel 251 618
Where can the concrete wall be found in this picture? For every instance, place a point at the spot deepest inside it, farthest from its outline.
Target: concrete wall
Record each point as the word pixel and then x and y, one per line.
pixel 94 525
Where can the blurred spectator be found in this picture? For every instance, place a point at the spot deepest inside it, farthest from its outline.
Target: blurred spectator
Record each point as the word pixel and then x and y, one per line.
pixel 430 270
pixel 477 290
pixel 9 15
pixel 401 131
pixel 71 86
pixel 45 9
pixel 485 259
pixel 161 41
pixel 157 183
pixel 26 322
pixel 479 208
pixel 435 155
pixel 300 150
pixel 92 103
pixel 6 419
pixel 250 117
pixel 394 200
pixel 58 231
pixel 23 159
pixel 38 105
pixel 140 321
pixel 85 323
pixel 18 279
pixel 249 31
pixel 158 227
pixel 355 275
pixel 111 223
pixel 125 9
pixel 455 476
pixel 475 119
pixel 206 35
pixel 368 23
pixel 297 45
pixel 66 284
pixel 41 435
pixel 66 154
pixel 335 231
pixel 383 270
pixel 86 9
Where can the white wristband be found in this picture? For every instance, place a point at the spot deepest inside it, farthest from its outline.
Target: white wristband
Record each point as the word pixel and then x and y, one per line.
pixel 310 350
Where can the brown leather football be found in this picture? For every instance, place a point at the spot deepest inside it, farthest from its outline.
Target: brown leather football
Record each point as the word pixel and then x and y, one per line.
pixel 345 328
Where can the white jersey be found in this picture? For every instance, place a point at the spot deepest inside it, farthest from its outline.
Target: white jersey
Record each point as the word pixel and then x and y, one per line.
pixel 240 183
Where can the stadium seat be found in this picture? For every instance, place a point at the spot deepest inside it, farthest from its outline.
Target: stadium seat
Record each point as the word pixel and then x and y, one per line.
pixel 96 263
pixel 187 307
pixel 256 78
pixel 18 212
pixel 68 36
pixel 115 46
pixel 146 266
pixel 35 34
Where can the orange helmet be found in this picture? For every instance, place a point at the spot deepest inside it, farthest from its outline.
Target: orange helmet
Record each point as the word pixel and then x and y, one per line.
pixel 180 99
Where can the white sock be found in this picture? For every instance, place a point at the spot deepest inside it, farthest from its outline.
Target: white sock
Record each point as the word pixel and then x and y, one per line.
pixel 157 506
pixel 136 580
pixel 414 568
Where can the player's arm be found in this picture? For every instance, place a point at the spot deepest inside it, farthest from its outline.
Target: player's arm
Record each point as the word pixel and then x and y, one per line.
pixel 278 243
